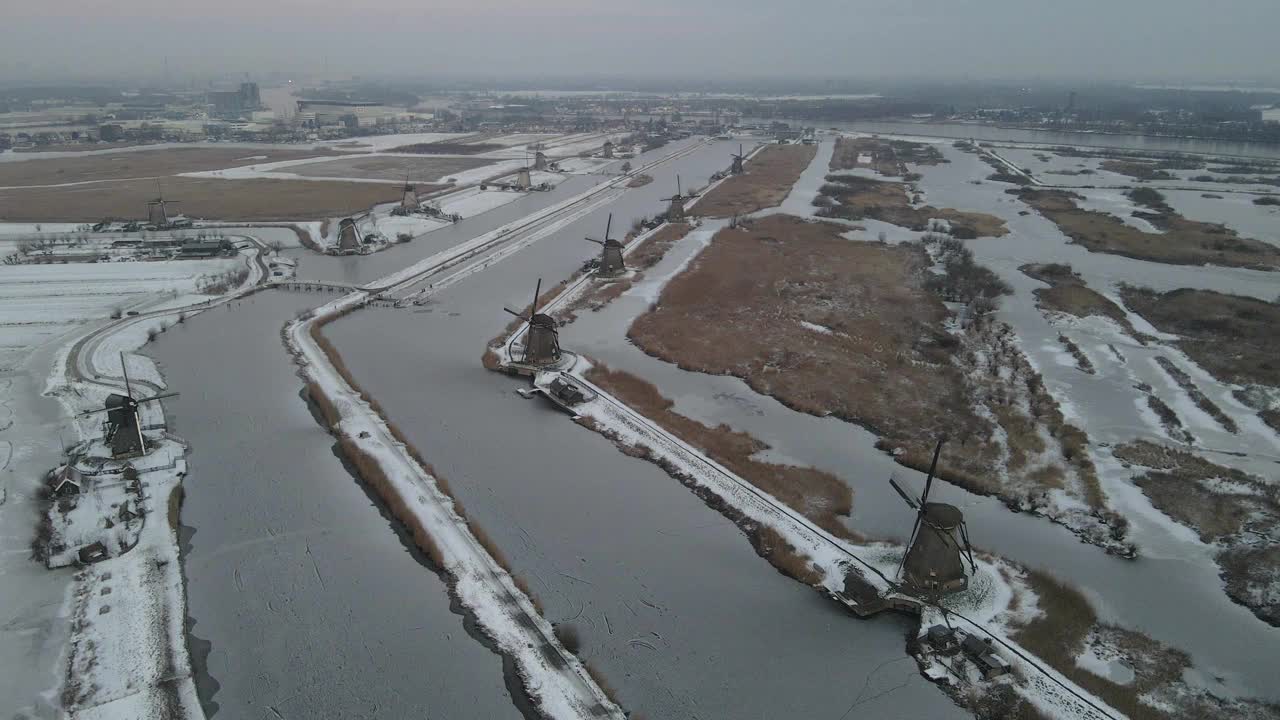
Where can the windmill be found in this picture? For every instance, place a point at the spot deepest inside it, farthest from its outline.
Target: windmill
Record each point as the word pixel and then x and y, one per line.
pixel 675 210
pixel 349 234
pixel 607 149
pixel 123 428
pixel 541 340
pixel 539 157
pixel 157 215
pixel 408 197
pixel 939 545
pixel 611 263
pixel 736 168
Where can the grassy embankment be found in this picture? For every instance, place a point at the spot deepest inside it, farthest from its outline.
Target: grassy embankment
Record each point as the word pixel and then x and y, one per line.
pixel 855 198
pixel 769 176
pixel 818 495
pixel 887 157
pixel 791 306
pixel 368 470
pixel 1181 242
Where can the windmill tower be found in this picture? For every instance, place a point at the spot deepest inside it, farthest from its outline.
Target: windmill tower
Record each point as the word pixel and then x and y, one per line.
pixel 736 167
pixel 934 562
pixel 675 207
pixel 523 179
pixel 611 264
pixel 349 233
pixel 541 339
pixel 122 430
pixel 539 158
pixel 408 197
pixel 157 215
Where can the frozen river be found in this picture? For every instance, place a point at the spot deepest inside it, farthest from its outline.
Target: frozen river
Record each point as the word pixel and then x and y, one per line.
pixel 304 598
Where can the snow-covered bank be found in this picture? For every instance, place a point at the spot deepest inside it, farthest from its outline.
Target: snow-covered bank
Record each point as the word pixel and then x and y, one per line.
pixel 556 681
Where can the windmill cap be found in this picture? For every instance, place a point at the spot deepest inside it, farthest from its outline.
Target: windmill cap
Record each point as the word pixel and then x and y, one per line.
pixel 943 515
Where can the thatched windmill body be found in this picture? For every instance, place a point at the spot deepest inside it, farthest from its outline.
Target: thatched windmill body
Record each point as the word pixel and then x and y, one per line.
pixel 675 203
pixel 736 167
pixel 939 545
pixel 541 339
pixel 611 262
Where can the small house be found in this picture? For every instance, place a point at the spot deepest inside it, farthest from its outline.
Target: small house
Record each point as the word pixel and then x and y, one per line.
pixel 984 656
pixel 97 552
pixel 942 639
pixel 68 481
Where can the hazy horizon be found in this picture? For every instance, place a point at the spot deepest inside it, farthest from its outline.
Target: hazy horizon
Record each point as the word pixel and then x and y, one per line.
pixel 1176 41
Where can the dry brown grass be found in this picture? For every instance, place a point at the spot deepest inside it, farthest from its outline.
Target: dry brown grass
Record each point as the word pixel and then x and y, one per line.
pixel 1068 293
pixel 176 496
pixel 370 471
pixel 888 363
pixel 856 198
pixel 1183 242
pixel 153 163
pixel 1234 338
pixel 390 167
pixel 1137 170
pixel 819 495
pixel 210 199
pixel 888 157
pixel 304 238
pixel 769 176
pixel 784 557
pixel 738 308
pixel 639 181
pixel 1193 391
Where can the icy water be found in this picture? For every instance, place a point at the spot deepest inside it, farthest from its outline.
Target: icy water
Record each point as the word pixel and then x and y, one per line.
pixel 672 604
pixel 1173 592
pixel 964 131
pixel 360 269
pixel 303 598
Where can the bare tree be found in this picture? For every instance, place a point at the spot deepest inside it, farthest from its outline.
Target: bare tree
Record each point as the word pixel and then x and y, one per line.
pixel 276 246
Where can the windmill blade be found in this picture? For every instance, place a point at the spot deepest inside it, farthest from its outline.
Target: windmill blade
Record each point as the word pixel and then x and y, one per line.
pixel 159 397
pixel 909 500
pixel 679 192
pixel 933 466
pixel 124 368
pixel 968 549
pixel 522 316
pixel 537 290
pixel 607 225
pixel 598 242
pixel 87 413
pixel 137 426
pixel 910 542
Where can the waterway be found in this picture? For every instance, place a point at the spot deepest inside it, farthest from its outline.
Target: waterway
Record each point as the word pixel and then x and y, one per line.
pixel 671 602
pixel 304 598
pixel 1173 592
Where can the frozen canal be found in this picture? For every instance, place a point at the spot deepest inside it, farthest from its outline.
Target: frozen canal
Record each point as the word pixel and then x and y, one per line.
pixel 672 604
pixel 305 599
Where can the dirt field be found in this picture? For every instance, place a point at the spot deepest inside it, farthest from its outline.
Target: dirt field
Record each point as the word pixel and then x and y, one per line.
pixel 1068 293
pixel 769 176
pixel 855 198
pixel 829 326
pixel 1236 339
pixel 448 148
pixel 387 167
pixel 888 157
pixel 204 198
pixel 1224 506
pixel 142 164
pixel 1183 242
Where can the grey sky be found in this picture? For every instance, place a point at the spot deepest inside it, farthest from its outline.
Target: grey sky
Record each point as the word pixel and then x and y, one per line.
pixel 1180 40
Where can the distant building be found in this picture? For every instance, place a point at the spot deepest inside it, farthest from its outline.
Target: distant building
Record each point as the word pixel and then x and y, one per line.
pixel 321 113
pixel 233 102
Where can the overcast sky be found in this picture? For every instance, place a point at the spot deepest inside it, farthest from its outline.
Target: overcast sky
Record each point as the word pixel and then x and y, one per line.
pixel 1179 40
